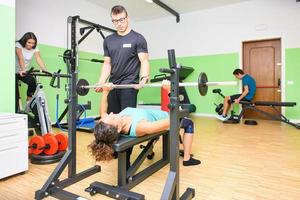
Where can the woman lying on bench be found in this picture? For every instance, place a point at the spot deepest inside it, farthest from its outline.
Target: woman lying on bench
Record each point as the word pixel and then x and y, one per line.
pixel 135 122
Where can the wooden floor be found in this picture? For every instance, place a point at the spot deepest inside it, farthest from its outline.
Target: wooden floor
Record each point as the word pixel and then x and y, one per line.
pixel 239 162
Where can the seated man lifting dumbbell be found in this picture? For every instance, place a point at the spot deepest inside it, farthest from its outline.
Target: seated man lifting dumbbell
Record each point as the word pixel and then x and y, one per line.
pixel 135 122
pixel 249 88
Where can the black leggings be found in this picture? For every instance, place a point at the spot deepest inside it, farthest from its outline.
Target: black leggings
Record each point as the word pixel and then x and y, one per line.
pixel 30 81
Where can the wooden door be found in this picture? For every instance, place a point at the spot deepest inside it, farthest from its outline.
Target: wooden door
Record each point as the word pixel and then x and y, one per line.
pixel 262 60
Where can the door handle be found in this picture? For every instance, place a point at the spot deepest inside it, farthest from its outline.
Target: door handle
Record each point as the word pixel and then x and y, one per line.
pixel 279 82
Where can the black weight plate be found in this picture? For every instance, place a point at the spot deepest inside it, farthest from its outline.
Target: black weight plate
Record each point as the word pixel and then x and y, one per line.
pixel 202 87
pixel 43 157
pixel 82 91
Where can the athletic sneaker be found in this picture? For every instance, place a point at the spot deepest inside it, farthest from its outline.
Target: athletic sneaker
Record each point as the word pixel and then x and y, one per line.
pixel 27 106
pixel 222 118
pixel 191 162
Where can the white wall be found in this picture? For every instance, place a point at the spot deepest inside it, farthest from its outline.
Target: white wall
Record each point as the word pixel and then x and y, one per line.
pixel 8 3
pixel 48 20
pixel 212 31
pixel 222 30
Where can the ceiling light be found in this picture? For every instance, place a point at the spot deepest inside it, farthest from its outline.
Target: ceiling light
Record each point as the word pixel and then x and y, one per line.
pixel 149 1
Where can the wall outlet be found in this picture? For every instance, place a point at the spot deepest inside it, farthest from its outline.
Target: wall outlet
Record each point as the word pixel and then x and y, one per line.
pixel 290 82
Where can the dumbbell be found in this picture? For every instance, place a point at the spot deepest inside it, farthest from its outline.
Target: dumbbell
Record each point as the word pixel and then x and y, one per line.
pixel 48 144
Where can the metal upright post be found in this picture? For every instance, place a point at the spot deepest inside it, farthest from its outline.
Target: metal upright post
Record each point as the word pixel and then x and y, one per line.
pixel 73 99
pixel 53 186
pixel 171 189
pixel 174 120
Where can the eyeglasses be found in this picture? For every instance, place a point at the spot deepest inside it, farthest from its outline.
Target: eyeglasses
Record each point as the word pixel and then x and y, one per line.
pixel 121 20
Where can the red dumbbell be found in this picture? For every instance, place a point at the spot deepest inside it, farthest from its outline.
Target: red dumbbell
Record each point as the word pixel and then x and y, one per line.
pixel 47 144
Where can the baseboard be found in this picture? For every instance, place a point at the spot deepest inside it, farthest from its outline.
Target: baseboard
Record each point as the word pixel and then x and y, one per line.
pixel 203 115
pixel 295 120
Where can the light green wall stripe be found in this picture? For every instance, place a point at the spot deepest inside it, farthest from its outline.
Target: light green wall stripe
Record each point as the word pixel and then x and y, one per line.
pixel 292 65
pixel 217 67
pixel 7 61
pixel 86 70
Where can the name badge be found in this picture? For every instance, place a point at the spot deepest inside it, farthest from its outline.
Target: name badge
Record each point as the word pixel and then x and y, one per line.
pixel 126 45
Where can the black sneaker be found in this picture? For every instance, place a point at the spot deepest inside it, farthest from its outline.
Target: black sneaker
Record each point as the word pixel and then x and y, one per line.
pixel 191 162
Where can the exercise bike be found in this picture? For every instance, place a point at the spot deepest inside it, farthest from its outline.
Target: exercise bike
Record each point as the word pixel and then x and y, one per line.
pixel 234 118
pixel 37 108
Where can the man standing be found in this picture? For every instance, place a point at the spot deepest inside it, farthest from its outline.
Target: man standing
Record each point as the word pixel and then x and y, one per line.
pixel 125 62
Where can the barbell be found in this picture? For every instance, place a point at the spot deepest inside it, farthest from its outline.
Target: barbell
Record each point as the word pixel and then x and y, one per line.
pixel 202 84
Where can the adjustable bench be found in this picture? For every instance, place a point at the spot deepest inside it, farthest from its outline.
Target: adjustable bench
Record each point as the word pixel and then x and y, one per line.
pixel 278 117
pixel 128 176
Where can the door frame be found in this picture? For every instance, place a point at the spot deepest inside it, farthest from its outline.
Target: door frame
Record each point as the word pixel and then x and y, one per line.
pixel 282 64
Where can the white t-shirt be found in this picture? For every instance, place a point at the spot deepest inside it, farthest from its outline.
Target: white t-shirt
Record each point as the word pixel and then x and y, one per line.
pixel 27 54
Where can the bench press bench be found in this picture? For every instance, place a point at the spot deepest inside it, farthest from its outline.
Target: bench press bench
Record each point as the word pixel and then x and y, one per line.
pixel 272 104
pixel 128 177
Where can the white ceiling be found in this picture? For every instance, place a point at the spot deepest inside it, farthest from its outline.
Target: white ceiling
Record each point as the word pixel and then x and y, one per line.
pixel 140 10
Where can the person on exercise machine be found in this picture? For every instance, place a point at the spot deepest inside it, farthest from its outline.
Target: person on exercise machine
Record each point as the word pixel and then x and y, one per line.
pixel 249 88
pixel 26 47
pixel 135 122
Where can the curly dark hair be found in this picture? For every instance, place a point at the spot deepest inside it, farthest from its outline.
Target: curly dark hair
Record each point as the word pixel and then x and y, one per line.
pixel 105 136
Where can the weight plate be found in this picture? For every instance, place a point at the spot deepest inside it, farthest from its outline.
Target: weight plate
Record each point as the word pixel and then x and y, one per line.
pixel 43 157
pixel 52 144
pixel 62 140
pixel 82 91
pixel 202 87
pixel 35 145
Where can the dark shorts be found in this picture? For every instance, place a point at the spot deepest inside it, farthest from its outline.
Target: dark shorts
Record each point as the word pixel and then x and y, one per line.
pixel 188 125
pixel 236 96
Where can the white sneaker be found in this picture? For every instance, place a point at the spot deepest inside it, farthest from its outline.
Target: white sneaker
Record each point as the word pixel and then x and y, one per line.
pixel 27 106
pixel 222 118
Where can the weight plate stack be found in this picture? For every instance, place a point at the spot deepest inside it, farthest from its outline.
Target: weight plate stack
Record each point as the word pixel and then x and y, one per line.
pixel 44 159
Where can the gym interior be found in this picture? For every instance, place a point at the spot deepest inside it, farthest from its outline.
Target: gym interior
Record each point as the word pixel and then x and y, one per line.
pixel 252 156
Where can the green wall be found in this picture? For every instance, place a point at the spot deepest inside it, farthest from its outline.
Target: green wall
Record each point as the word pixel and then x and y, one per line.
pixel 7 61
pixel 217 67
pixel 87 70
pixel 292 65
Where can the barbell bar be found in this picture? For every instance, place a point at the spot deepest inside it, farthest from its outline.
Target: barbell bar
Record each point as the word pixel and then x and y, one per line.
pixel 202 84
pixel 186 84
